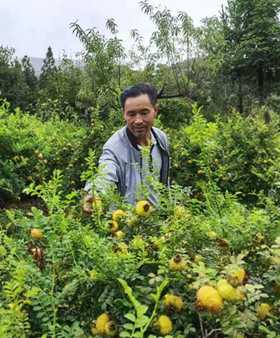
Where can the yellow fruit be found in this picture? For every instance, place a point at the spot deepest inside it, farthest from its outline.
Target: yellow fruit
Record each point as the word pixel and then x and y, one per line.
pixel 164 325
pixel 209 299
pixel 263 310
pixel 227 292
pixel 93 329
pixel 237 277
pixel 179 211
pixel 118 215
pixel 119 234
pixel 101 322
pixel 132 221
pixel 97 204
pixel 173 302
pixel 122 248
pixel 110 329
pixel 143 208
pixel 177 263
pixel 36 233
pixel 113 226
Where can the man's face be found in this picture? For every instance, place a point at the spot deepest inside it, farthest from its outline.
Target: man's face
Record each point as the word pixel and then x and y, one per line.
pixel 139 114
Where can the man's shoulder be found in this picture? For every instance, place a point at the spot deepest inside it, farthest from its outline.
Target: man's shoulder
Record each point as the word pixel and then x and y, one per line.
pixel 161 136
pixel 117 140
pixel 160 132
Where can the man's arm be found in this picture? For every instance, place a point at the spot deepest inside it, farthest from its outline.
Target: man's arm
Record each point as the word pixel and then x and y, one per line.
pixel 108 175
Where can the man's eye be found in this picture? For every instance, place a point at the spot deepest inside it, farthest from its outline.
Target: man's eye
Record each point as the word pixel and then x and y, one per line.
pixel 144 112
pixel 131 113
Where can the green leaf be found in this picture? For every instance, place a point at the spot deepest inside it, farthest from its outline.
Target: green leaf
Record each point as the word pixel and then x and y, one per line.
pixel 130 316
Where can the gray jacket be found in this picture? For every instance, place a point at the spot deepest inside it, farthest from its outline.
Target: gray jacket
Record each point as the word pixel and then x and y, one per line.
pixel 121 163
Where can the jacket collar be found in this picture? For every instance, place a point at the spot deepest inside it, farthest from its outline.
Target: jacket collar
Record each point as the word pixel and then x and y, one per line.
pixel 133 140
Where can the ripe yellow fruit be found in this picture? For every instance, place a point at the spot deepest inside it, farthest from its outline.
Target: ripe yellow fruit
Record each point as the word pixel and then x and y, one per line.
pixel 263 310
pixel 97 204
pixel 119 234
pixel 180 211
pixel 110 329
pixel 93 329
pixel 177 263
pixel 113 226
pixel 122 249
pixel 173 302
pixel 118 215
pixel 164 325
pixel 209 299
pixel 143 208
pixel 228 292
pixel 36 233
pixel 132 221
pixel 237 277
pixel 101 322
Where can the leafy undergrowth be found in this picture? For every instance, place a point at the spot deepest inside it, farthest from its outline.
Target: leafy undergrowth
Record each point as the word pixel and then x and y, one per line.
pixel 188 268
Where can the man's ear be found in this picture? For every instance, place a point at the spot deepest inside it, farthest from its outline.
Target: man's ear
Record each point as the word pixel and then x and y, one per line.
pixel 156 110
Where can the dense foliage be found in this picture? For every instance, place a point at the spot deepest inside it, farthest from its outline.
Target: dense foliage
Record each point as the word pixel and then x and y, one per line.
pixel 206 261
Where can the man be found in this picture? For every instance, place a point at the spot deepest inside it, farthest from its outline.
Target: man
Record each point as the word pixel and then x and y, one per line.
pixel 123 161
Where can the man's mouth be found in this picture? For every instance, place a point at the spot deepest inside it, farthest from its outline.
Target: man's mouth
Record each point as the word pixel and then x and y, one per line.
pixel 139 129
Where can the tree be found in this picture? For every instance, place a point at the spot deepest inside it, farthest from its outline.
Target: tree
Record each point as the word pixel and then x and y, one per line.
pixel 31 81
pixel 29 73
pixel 252 36
pixel 12 83
pixel 48 80
pixel 102 72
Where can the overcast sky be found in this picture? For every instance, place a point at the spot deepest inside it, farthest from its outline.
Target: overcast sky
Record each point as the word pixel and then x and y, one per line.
pixel 30 26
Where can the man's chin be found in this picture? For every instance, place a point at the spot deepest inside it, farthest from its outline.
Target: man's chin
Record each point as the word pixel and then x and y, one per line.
pixel 139 134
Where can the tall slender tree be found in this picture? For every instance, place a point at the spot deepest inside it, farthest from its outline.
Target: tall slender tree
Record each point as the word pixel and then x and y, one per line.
pixel 252 36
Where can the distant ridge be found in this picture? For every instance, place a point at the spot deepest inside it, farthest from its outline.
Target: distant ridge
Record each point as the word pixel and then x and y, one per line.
pixel 37 64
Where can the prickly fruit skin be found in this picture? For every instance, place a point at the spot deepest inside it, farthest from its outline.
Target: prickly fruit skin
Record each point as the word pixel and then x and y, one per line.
pixel 101 323
pixel 119 234
pixel 113 226
pixel 143 208
pixel 118 215
pixel 228 292
pixel 173 302
pixel 97 204
pixel 110 329
pixel 208 298
pixel 36 233
pixel 263 311
pixel 164 325
pixel 177 263
pixel 237 277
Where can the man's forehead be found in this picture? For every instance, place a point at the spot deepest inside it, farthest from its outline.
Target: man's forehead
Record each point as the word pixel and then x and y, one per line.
pixel 140 101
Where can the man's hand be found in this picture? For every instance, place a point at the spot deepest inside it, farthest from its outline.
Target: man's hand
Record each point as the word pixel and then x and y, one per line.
pixel 87 204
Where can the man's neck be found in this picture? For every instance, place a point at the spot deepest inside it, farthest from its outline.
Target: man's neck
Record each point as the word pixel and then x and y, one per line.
pixel 144 141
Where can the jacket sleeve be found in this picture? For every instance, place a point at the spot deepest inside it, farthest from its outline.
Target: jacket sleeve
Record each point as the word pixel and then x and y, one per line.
pixel 108 173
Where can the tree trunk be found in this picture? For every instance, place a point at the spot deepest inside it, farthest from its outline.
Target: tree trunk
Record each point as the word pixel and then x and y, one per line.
pixel 240 94
pixel 261 83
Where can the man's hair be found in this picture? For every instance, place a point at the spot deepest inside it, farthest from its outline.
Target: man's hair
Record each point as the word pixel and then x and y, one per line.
pixel 137 90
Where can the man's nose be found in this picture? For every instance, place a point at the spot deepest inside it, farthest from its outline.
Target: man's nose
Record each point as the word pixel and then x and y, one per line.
pixel 138 119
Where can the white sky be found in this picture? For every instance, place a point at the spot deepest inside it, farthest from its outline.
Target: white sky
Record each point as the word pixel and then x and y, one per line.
pixel 30 26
